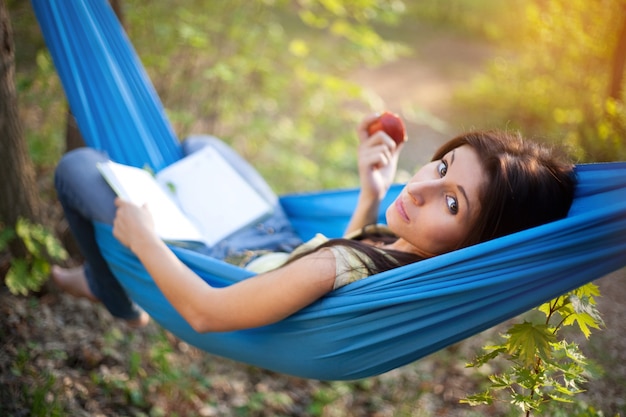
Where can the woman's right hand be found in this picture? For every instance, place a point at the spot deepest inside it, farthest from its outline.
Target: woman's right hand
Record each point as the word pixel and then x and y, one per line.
pixel 133 224
pixel 378 160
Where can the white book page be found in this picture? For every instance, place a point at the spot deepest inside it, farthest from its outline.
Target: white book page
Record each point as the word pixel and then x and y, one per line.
pixel 139 187
pixel 213 194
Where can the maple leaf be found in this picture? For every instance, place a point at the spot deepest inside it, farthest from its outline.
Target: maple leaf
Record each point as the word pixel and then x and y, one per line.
pixel 585 314
pixel 528 340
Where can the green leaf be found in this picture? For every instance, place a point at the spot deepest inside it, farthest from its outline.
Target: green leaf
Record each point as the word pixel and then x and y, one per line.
pixel 589 290
pixel 39 271
pixel 528 341
pixel 24 230
pixel 493 352
pixel 54 248
pixel 483 398
pixel 585 314
pixel 17 277
pixel 500 381
pixel 25 276
pixel 527 377
pixel 560 398
pixel 171 187
pixel 29 273
pixel 525 402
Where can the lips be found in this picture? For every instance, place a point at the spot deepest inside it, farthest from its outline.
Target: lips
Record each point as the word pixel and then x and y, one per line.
pixel 400 207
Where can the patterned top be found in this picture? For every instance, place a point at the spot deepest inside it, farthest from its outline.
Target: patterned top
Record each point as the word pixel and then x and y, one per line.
pixel 350 265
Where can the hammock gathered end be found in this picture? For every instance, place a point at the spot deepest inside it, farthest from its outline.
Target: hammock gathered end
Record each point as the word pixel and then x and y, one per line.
pixel 368 327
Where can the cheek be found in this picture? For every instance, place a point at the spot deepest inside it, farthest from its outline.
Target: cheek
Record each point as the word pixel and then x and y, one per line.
pixel 436 235
pixel 444 236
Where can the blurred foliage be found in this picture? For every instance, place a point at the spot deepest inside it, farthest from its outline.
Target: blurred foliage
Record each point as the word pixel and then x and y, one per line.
pixel 552 78
pixel 267 76
pixel 42 107
pixel 30 272
pixel 487 19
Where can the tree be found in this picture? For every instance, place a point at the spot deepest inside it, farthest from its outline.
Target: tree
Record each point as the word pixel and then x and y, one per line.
pixel 17 177
pixel 29 244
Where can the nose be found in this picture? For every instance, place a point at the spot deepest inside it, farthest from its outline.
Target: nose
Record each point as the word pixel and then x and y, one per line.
pixel 422 191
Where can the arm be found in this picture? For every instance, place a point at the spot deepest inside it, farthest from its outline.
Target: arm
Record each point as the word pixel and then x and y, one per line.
pixel 257 301
pixel 378 161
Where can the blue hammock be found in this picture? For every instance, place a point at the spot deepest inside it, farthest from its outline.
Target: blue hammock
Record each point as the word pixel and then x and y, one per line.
pixel 368 327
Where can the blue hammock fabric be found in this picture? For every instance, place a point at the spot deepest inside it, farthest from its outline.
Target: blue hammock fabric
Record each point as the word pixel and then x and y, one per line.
pixel 368 327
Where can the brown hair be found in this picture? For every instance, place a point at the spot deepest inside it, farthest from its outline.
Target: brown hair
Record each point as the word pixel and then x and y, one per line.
pixel 529 184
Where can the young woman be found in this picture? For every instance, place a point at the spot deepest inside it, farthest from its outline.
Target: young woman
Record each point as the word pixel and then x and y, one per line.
pixel 479 186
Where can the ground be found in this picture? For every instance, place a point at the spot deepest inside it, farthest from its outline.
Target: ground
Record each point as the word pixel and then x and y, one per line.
pixel 62 356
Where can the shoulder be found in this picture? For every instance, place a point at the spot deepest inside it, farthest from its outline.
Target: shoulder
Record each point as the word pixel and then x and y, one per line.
pixel 350 265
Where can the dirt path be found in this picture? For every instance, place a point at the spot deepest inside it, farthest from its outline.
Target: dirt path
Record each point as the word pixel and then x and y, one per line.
pixel 421 88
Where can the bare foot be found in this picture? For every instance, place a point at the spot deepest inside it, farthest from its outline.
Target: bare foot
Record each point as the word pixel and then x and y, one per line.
pixel 140 321
pixel 73 281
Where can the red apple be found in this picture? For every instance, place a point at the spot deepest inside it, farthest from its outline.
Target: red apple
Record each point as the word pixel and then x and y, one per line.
pixel 391 124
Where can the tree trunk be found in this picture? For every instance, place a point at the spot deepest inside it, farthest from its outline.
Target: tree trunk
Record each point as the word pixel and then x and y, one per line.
pixel 18 187
pixel 73 137
pixel 117 8
pixel 619 61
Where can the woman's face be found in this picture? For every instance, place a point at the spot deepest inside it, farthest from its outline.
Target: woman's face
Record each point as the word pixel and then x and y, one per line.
pixel 439 205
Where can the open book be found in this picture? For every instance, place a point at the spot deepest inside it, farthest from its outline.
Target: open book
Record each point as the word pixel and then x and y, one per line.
pixel 200 198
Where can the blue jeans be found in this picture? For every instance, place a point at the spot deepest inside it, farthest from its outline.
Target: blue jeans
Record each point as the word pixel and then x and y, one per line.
pixel 86 197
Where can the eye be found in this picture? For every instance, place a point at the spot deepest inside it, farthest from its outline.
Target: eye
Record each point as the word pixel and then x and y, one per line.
pixel 442 168
pixel 453 205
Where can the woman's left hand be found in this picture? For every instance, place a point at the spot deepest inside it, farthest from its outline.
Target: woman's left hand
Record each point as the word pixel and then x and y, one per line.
pixel 132 224
pixel 378 160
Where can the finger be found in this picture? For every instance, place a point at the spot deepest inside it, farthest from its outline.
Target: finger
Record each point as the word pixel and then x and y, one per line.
pixel 365 122
pixel 146 209
pixel 381 138
pixel 376 157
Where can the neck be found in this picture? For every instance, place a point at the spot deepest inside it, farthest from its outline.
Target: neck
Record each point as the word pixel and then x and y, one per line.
pixel 404 246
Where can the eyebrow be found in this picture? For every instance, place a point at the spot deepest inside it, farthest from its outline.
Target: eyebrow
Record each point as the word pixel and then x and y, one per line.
pixel 460 187
pixel 462 190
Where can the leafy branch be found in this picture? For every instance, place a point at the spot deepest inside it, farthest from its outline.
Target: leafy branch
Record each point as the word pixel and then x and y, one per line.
pixel 544 371
pixel 29 273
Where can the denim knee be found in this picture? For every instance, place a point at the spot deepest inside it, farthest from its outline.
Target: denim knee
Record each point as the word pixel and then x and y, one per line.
pixel 81 187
